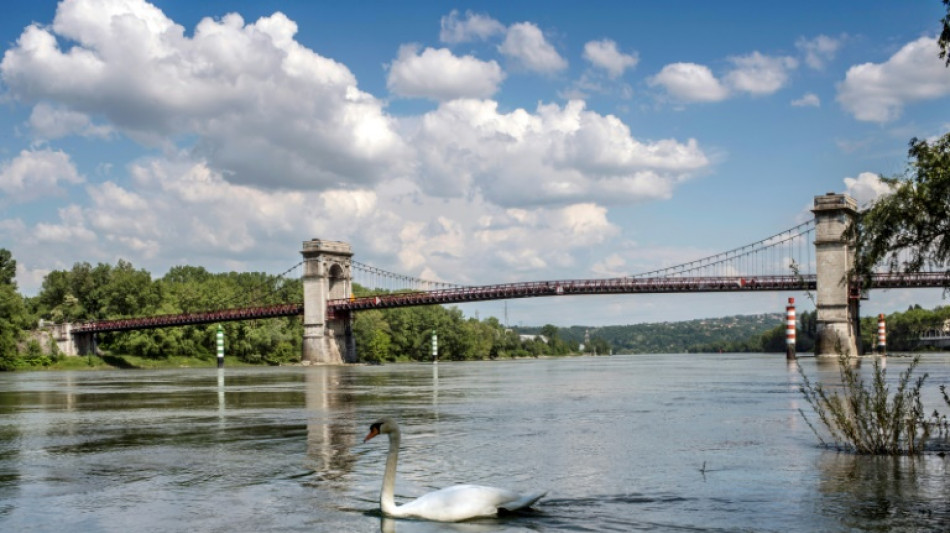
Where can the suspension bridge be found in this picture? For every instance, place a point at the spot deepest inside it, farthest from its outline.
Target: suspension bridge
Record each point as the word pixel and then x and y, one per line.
pixel 811 256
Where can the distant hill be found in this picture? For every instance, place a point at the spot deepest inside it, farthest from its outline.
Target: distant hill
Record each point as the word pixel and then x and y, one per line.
pixel 674 337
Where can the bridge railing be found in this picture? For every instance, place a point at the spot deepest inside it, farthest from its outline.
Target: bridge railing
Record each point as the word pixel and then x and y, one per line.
pixel 189 319
pixel 626 285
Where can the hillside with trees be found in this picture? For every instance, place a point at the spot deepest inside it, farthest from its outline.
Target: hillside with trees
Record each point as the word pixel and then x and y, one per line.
pixel 741 333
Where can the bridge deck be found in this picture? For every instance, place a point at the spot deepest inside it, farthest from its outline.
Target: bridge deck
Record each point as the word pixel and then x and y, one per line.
pixel 534 289
pixel 190 319
pixel 576 287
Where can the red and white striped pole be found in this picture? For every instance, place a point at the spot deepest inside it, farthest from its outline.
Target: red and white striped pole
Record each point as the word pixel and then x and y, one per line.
pixel 790 329
pixel 881 335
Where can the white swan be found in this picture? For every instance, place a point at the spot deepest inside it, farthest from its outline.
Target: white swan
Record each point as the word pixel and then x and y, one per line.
pixel 452 504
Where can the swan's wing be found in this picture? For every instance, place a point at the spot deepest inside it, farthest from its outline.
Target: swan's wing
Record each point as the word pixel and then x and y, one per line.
pixel 461 502
pixel 524 500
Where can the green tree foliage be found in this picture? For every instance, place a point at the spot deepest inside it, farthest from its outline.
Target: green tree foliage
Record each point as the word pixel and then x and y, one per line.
pixel 14 316
pixel 107 292
pixel 914 217
pixel 904 329
pixel 943 42
pixel 405 334
pixel 373 337
pixel 104 291
pixel 774 340
pixel 7 268
pixel 728 334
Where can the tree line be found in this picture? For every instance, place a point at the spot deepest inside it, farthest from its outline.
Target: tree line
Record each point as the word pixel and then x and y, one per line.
pixel 903 330
pixel 87 292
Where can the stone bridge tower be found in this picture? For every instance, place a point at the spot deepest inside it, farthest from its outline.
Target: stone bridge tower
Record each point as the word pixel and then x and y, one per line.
pixel 837 308
pixel 327 276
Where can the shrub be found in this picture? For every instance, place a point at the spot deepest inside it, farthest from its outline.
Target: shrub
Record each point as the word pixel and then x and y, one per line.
pixel 867 419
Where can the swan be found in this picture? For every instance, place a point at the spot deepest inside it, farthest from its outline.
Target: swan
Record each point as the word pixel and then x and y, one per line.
pixel 451 504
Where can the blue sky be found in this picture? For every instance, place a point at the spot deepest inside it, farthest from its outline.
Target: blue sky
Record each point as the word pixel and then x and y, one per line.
pixel 470 143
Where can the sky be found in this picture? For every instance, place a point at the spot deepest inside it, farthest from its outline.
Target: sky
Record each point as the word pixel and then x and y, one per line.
pixel 475 143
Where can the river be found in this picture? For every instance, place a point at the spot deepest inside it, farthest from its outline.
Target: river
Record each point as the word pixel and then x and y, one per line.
pixel 622 443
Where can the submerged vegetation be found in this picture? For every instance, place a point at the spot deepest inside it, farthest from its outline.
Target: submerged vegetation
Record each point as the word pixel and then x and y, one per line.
pixel 865 418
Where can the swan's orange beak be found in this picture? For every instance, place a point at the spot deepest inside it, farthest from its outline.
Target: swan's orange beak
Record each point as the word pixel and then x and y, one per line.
pixel 373 431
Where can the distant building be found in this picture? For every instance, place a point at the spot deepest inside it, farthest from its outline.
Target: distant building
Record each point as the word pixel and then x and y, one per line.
pixel 938 338
pixel 529 338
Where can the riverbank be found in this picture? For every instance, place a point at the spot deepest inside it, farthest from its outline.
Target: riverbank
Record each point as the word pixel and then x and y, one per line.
pixel 131 362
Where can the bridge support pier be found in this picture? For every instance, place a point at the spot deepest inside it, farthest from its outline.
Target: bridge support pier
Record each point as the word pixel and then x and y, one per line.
pixel 837 308
pixel 85 344
pixel 327 276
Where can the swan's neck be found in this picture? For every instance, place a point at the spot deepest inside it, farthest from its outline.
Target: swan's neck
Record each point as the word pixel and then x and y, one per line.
pixel 387 500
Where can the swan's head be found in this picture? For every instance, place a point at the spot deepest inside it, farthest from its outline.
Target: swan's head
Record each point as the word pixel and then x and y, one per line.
pixel 383 425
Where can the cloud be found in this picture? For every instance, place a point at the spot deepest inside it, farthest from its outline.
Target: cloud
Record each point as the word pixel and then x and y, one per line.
pixel 263 108
pixel 48 122
pixel 866 188
pixel 37 173
pixel 819 50
pixel 878 92
pixel 72 229
pixel 474 27
pixel 604 54
pixel 556 155
pixel 440 75
pixel 260 141
pixel 758 74
pixel 690 82
pixel 807 100
pixel 526 46
pixel 173 208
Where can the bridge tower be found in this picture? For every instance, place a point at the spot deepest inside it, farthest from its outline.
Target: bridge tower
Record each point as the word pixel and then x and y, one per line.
pixel 327 276
pixel 837 308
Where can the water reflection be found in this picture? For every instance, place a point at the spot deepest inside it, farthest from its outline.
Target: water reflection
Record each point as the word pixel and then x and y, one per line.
pixel 390 525
pixel 329 408
pixel 221 401
pixel 887 492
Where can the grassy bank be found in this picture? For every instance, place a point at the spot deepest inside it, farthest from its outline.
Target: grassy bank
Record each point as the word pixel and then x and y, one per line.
pixel 119 362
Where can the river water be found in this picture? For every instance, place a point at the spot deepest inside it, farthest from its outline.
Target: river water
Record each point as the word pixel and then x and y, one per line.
pixel 622 443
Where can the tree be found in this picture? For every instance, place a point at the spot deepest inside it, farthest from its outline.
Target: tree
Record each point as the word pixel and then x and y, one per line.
pixel 944 41
pixel 7 268
pixel 914 217
pixel 13 314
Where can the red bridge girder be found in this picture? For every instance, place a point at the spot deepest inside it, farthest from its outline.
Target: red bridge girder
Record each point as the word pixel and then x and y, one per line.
pixel 910 280
pixel 340 308
pixel 190 319
pixel 576 287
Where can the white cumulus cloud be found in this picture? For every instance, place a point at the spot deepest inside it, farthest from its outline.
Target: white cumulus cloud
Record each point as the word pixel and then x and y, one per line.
pixel 604 54
pixel 556 155
pixel 755 74
pixel 526 45
pixel 440 75
pixel 48 122
pixel 263 108
pixel 690 82
pixel 759 74
pixel 819 50
pixel 866 188
pixel 474 27
pixel 807 100
pixel 36 173
pixel 258 142
pixel 878 92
